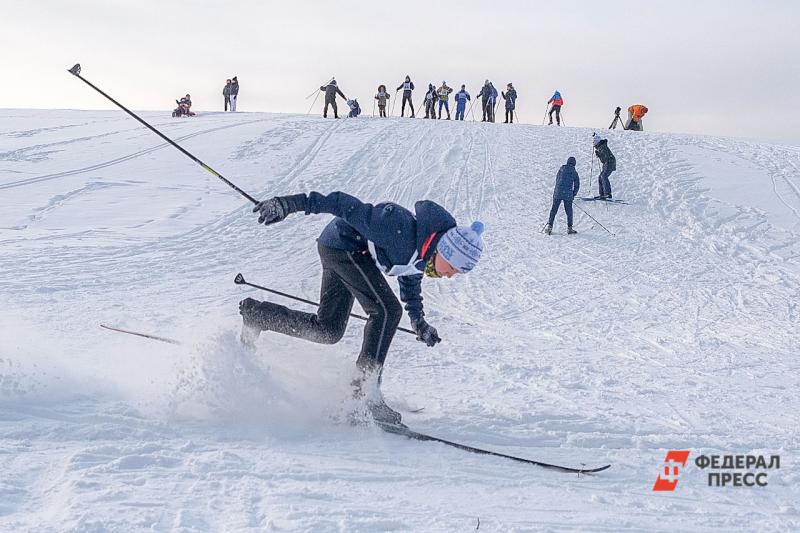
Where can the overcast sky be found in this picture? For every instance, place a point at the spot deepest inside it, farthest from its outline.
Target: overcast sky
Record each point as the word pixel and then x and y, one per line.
pixel 720 67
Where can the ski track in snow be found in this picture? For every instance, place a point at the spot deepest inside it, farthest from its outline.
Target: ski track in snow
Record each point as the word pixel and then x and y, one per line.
pixel 680 332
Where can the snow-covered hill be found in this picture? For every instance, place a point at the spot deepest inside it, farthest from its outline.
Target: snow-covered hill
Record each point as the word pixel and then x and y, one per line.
pixel 679 331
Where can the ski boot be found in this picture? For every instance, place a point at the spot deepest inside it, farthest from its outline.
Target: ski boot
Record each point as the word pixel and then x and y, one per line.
pixel 250 329
pixel 571 231
pixel 548 229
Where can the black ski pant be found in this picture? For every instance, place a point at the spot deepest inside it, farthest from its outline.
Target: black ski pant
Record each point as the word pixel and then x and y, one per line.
pixel 602 180
pixel 227 101
pixel 485 107
pixel 406 98
pixel 554 211
pixel 346 276
pixel 510 116
pixel 557 109
pixel 430 109
pixel 382 111
pixel 335 110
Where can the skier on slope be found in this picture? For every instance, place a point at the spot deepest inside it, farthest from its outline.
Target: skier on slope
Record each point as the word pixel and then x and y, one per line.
pixel 461 98
pixel 511 102
pixel 382 97
pixel 408 87
pixel 234 92
pixel 444 99
pixel 430 102
pixel 557 102
pixel 360 242
pixel 566 188
pixel 488 96
pixel 609 163
pixel 635 114
pixel 226 93
pixel 331 90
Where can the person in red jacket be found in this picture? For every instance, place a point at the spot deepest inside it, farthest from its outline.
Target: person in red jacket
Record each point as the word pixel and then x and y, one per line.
pixel 557 102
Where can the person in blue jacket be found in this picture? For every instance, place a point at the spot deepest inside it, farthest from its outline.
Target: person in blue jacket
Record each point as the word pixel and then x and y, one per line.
pixel 361 242
pixel 567 186
pixel 462 97
pixel 510 96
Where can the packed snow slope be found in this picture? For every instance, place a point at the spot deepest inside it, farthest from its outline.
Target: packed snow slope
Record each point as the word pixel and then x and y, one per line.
pixel 677 329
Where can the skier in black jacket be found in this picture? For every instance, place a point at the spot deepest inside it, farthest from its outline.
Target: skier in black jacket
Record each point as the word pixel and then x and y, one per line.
pixel 331 90
pixel 407 87
pixel 609 163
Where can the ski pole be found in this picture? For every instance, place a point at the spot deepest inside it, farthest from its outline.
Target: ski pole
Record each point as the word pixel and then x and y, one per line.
pixel 546 107
pixel 563 122
pixel 312 103
pixel 373 108
pixel 76 71
pixel 239 280
pixel 470 110
pixel 312 94
pixel 394 102
pixel 590 216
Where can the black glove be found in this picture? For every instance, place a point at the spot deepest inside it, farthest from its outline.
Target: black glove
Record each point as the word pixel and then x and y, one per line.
pixel 425 332
pixel 277 208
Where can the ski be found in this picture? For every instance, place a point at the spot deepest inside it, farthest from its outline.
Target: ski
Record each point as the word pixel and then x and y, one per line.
pixel 145 335
pixel 598 199
pixel 404 431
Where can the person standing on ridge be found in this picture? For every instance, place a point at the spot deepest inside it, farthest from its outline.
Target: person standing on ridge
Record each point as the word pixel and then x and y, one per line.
pixel 635 114
pixel 382 97
pixel 234 92
pixel 511 102
pixel 444 99
pixel 408 87
pixel 461 98
pixel 566 188
pixel 361 242
pixel 430 101
pixel 609 163
pixel 331 90
pixel 557 102
pixel 226 92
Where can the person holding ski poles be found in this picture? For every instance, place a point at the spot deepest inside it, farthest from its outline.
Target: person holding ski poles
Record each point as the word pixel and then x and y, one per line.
pixel 609 163
pixel 226 92
pixel 488 96
pixel 430 102
pixel 566 188
pixel 557 102
pixel 461 98
pixel 443 93
pixel 408 87
pixel 331 90
pixel 510 96
pixel 361 242
pixel 382 97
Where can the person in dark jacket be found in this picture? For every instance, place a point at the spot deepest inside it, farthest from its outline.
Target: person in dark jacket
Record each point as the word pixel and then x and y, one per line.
pixel 567 186
pixel 609 163
pixel 226 92
pixel 444 98
pixel 461 98
pixel 383 98
pixel 362 241
pixel 484 96
pixel 430 101
pixel 331 90
pixel 510 96
pixel 234 92
pixel 408 87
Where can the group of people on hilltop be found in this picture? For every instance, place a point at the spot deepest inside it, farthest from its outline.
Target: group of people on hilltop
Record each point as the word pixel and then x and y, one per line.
pixel 231 93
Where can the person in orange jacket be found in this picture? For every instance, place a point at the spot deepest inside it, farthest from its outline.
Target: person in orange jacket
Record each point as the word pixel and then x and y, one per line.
pixel 635 114
pixel 557 102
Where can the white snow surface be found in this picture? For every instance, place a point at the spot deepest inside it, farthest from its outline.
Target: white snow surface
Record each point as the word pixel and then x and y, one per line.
pixel 680 331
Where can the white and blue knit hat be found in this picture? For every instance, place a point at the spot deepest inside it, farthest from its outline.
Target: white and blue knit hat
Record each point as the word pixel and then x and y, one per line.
pixel 462 246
